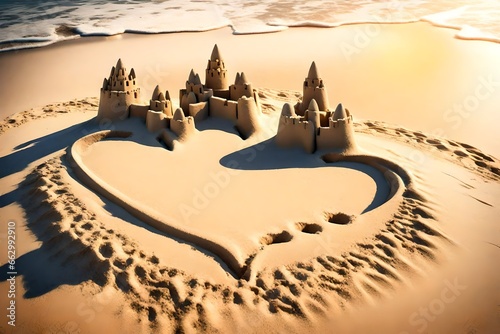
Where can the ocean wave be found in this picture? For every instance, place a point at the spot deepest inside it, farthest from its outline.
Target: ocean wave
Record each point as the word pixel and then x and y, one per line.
pixel 35 23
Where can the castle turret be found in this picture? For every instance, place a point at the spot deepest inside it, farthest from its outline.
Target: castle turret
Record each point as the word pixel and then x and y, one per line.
pixel 247 121
pixel 288 110
pixel 341 113
pixel 311 125
pixel 181 125
pixel 161 102
pixel 295 131
pixel 216 76
pixel 313 88
pixel 339 135
pixel 313 114
pixel 240 88
pixel 118 92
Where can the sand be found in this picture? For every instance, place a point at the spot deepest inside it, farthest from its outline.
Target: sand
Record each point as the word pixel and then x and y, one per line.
pixel 123 234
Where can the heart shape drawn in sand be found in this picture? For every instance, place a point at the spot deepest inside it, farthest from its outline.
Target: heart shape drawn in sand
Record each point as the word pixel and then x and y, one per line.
pixel 232 197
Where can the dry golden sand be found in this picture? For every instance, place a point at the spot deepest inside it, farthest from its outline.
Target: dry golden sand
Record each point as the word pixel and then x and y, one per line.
pixel 422 261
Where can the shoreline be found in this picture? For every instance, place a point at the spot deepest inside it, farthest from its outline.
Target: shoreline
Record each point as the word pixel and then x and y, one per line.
pixel 70 33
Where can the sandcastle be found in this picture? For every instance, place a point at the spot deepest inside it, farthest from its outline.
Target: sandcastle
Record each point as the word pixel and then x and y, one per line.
pixel 239 102
pixel 310 124
pixel 118 93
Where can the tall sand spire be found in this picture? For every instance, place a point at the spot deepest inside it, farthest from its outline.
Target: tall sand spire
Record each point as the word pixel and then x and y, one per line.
pixel 215 75
pixel 243 78
pixel 156 93
pixel 215 54
pixel 313 71
pixel 119 64
pixel 313 88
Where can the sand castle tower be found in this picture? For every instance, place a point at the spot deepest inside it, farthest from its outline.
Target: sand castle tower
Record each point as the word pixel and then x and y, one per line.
pixel 160 110
pixel 194 98
pixel 313 88
pixel 295 131
pixel 161 102
pixel 339 134
pixel 241 87
pixel 216 74
pixel 311 125
pixel 239 102
pixel 181 125
pixel 118 92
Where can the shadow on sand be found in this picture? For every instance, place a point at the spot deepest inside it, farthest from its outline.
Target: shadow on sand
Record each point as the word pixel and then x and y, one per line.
pixel 266 156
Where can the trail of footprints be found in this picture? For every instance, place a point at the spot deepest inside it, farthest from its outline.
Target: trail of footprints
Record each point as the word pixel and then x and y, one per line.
pixel 86 105
pixel 371 270
pixel 464 154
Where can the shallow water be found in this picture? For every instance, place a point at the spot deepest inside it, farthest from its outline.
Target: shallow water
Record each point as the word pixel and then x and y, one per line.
pixel 35 23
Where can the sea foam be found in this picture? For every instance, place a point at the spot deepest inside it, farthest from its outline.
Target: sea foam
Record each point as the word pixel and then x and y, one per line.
pixel 36 23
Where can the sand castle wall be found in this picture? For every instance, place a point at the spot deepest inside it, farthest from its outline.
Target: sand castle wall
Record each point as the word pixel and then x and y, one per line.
pixel 188 97
pixel 223 108
pixel 156 120
pixel 199 111
pixel 137 110
pixel 292 132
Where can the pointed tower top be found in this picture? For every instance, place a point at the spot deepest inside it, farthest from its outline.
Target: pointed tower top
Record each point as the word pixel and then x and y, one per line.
pixel 192 76
pixel 119 64
pixel 197 80
pixel 313 71
pixel 156 93
pixel 243 78
pixel 179 115
pixel 132 73
pixel 288 110
pixel 215 54
pixel 340 112
pixel 237 81
pixel 313 105
pixel 161 97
